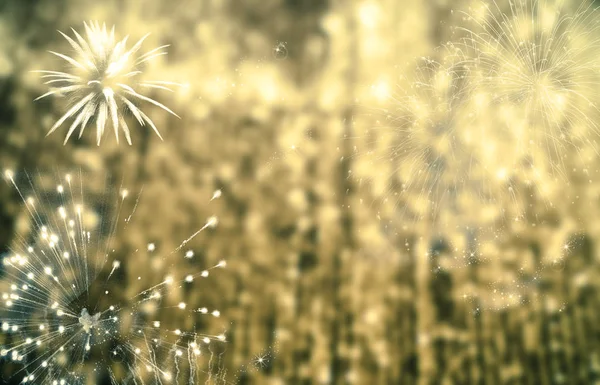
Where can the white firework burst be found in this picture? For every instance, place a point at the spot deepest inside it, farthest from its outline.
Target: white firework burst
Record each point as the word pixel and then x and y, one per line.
pixel 103 82
pixel 65 322
pixel 536 64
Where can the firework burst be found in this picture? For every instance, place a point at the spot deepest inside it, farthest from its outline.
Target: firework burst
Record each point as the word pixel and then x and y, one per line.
pixel 536 64
pixel 438 177
pixel 63 322
pixel 487 128
pixel 103 82
pixel 422 149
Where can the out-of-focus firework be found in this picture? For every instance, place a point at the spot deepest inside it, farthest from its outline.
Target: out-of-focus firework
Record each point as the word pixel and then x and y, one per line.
pixel 421 149
pixel 501 109
pixel 533 64
pixel 470 157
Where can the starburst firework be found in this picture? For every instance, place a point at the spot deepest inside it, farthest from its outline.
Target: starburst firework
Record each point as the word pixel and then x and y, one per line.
pixel 536 64
pixel 62 320
pixel 103 82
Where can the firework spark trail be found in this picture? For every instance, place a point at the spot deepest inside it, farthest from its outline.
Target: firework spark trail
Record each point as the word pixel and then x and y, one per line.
pixel 137 201
pixel 59 319
pixel 211 222
pixel 102 82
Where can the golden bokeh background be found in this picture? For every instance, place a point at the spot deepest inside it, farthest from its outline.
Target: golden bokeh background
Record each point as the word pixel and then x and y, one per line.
pixel 327 273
